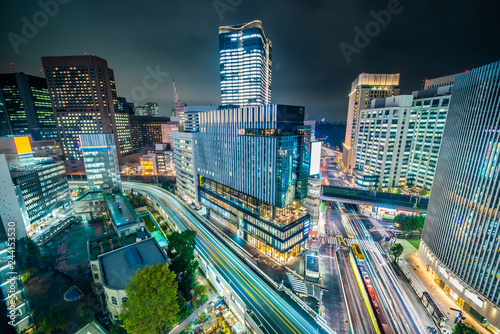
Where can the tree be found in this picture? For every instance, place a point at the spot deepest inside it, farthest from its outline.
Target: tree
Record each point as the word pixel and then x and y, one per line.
pixel 461 328
pixel 117 328
pixel 200 292
pixel 28 255
pixel 152 300
pixel 409 223
pixel 52 320
pixel 181 252
pixel 424 192
pixel 397 250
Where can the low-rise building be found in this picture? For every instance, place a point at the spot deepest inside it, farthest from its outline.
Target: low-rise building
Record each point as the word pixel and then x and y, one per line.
pixel 124 217
pixel 118 266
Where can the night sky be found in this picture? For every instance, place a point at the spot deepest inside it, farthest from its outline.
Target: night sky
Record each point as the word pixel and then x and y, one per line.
pixel 424 39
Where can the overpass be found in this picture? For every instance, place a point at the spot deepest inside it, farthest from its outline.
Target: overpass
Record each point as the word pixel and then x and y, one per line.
pixel 374 198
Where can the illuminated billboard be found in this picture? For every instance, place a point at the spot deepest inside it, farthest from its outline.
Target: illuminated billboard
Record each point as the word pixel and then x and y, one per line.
pixel 23 145
pixel 315 157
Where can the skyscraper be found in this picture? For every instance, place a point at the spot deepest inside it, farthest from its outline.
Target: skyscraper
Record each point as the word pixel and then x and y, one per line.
pixel 245 65
pixel 28 111
pixel 83 99
pixel 461 237
pixel 184 144
pixel 101 162
pixel 253 167
pixel 364 89
pixel 148 109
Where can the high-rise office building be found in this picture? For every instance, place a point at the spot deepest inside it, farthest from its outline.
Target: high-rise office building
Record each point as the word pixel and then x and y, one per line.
pixel 124 106
pixel 42 187
pixel 245 65
pixel 184 142
pixel 166 131
pixel 27 108
pixel 12 291
pixel 146 131
pixel 364 89
pixel 399 148
pixel 101 162
pixel 13 212
pixel 461 236
pixel 384 143
pixel 148 109
pixel 253 167
pixel 429 108
pixel 83 99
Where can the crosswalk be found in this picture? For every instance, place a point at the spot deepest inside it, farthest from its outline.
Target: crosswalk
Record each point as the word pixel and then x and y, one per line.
pixel 298 285
pixel 348 242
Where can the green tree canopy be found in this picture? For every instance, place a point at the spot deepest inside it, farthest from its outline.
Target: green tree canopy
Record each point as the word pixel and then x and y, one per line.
pixel 28 254
pixel 461 328
pixel 409 223
pixel 52 320
pixel 181 252
pixel 152 301
pixel 397 250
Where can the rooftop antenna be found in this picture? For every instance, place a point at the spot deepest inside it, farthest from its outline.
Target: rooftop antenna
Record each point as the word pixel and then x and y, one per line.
pixel 176 97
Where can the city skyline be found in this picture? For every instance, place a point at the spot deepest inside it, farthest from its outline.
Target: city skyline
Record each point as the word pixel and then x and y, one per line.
pixel 318 79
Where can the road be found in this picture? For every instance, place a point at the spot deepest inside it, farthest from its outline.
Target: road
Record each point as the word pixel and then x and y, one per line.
pixel 274 311
pixel 358 306
pixel 396 305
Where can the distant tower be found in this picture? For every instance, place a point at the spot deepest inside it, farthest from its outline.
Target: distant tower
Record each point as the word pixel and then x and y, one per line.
pixel 178 110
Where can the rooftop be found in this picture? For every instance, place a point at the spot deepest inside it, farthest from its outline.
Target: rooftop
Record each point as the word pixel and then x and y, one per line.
pixel 92 328
pixel 101 245
pixel 118 266
pixel 121 211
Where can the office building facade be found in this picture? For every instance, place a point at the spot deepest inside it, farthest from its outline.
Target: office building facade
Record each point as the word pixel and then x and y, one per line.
pixel 253 167
pixel 245 65
pixel 184 142
pixel 166 131
pixel 365 88
pixel 186 179
pixel 101 162
pixel 42 187
pixel 12 209
pixel 429 109
pixel 384 143
pixel 27 108
pixel 84 98
pixel 146 131
pixel 148 109
pixel 12 291
pixel 461 235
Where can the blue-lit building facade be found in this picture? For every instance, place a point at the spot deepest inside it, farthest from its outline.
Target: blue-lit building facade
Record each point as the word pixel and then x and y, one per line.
pixel 461 236
pixel 101 161
pixel 245 65
pixel 253 168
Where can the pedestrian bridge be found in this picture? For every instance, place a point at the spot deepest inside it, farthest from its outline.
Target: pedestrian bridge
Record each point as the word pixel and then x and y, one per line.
pixel 374 198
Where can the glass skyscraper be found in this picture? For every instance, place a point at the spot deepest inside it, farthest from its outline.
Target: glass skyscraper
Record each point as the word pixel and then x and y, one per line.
pixel 27 108
pixel 245 65
pixel 461 238
pixel 253 168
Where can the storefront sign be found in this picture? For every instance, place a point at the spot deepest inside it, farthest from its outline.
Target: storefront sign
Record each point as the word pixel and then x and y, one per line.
pixel 472 296
pixel 456 283
pixel 443 272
